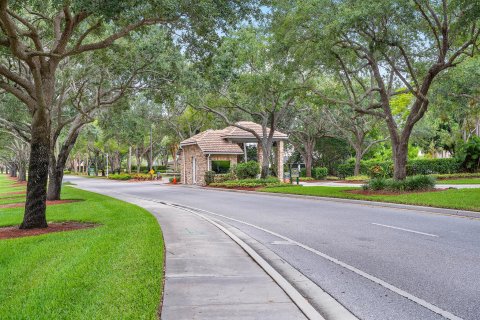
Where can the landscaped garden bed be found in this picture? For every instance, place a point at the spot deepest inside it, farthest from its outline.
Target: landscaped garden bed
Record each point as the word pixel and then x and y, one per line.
pixel 15 232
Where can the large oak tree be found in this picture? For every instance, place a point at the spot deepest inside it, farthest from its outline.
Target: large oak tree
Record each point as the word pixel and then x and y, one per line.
pixel 384 48
pixel 37 36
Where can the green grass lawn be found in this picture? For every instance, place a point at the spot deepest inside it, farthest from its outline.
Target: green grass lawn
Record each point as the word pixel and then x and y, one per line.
pixel 113 271
pixel 460 181
pixel 464 199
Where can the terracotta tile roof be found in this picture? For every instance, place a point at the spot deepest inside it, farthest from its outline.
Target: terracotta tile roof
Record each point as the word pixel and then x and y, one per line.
pixel 235 132
pixel 211 141
pixel 217 141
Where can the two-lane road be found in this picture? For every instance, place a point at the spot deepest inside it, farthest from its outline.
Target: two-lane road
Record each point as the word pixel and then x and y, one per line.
pixel 380 263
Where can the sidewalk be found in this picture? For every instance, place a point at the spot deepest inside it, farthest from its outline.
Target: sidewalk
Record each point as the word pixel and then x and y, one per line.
pixel 208 276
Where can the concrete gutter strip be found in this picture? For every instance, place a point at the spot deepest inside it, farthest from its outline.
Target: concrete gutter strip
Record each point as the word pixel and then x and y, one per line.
pixel 327 306
pixel 434 210
pixel 307 309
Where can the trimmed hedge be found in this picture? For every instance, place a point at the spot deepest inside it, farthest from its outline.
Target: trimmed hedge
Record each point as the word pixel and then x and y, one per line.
pixel 319 173
pixel 247 183
pixel 247 170
pixel 121 176
pixel 413 183
pixel 378 169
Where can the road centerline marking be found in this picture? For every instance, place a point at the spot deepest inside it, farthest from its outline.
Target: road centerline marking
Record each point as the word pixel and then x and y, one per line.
pixel 403 229
pixel 446 314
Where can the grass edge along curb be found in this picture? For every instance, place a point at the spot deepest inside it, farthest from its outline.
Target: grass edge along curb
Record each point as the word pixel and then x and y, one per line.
pixel 106 272
pixel 457 199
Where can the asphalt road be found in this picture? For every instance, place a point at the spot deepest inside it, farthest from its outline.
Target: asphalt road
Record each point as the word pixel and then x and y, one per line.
pixel 380 263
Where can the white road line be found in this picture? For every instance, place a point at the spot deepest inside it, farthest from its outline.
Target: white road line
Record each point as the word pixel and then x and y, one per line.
pixel 359 272
pixel 408 230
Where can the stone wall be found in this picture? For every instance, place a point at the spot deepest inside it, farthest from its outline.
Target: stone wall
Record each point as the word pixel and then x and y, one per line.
pixel 188 153
pixel 186 163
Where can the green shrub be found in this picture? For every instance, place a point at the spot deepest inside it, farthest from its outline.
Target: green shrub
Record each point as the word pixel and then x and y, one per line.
pixel 412 183
pixel 247 170
pixel 280 184
pixel 430 166
pixel 420 182
pixel 246 183
pixel 332 178
pixel 375 184
pixel 218 178
pixel 319 173
pixel 357 178
pixel 377 169
pixel 141 176
pixel 306 179
pixel 469 154
pixel 121 176
pixel 209 177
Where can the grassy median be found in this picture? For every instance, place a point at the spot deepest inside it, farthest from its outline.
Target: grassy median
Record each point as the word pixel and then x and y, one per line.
pixel 112 271
pixel 460 181
pixel 463 199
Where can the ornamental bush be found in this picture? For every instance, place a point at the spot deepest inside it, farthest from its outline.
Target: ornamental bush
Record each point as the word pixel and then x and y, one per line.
pixel 247 170
pixel 121 176
pixel 412 183
pixel 469 154
pixel 319 173
pixel 378 169
pixel 247 183
pixel 218 178
pixel 209 177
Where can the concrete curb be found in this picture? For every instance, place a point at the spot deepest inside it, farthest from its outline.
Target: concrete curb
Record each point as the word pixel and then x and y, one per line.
pixel 303 304
pixel 325 304
pixel 433 210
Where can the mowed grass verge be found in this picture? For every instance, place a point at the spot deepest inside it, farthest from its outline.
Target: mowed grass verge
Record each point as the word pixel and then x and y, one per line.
pixel 112 271
pixel 460 181
pixel 462 199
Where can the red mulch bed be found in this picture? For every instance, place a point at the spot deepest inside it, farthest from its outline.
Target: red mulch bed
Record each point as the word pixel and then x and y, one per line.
pixel 388 193
pixel 15 232
pixel 49 203
pixel 13 193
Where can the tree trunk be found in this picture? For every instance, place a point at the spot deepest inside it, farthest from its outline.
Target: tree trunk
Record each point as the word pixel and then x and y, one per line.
pixel 400 154
pixel 13 170
pixel 265 161
pixel 36 205
pixel 358 161
pixel 57 166
pixel 138 158
pixel 55 183
pixel 22 173
pixel 309 147
pixel 308 164
pixel 129 160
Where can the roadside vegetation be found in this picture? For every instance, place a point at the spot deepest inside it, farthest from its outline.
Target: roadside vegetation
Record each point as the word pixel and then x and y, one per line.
pixel 105 272
pixel 308 70
pixel 462 199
